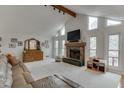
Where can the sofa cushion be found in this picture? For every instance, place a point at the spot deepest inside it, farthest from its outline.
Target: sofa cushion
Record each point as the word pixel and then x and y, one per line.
pixel 28 77
pixel 18 81
pixel 17 70
pixel 28 86
pixel 25 69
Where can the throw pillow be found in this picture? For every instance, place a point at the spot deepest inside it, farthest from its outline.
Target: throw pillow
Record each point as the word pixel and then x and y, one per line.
pixel 13 60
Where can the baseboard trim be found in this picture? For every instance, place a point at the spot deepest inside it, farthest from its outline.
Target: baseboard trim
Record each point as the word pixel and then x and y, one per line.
pixel 116 71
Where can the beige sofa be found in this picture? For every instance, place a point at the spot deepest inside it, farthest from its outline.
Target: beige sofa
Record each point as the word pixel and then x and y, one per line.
pixel 16 75
pixel 22 79
pixel 21 76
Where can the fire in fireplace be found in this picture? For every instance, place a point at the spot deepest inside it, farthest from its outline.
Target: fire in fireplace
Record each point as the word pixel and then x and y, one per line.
pixel 75 53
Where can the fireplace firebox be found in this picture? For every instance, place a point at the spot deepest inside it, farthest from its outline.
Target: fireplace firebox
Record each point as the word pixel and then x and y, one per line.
pixel 75 53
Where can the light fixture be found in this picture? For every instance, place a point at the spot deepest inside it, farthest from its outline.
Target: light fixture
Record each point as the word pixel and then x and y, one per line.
pixel 63 13
pixel 54 8
pixel 59 11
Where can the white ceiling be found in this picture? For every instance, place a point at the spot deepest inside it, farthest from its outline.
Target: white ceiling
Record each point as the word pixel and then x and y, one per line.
pixel 45 21
pixel 109 11
pixel 31 19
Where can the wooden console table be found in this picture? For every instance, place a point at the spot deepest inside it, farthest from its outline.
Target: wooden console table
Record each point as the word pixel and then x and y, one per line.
pixel 98 66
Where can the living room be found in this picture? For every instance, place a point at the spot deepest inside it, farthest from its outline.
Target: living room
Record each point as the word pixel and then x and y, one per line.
pixel 46 29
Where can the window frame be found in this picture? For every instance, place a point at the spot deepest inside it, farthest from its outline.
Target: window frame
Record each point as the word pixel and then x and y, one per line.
pixel 91 29
pixel 113 24
pixel 63 48
pixel 112 66
pixel 92 49
pixel 63 28
pixel 56 48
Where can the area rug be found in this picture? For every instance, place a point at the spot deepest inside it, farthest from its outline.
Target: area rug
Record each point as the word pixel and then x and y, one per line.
pixel 82 76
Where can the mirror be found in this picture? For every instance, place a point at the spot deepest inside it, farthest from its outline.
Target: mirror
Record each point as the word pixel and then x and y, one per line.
pixel 32 44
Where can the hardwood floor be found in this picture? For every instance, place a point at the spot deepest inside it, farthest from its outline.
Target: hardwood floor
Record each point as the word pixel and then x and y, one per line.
pixel 121 84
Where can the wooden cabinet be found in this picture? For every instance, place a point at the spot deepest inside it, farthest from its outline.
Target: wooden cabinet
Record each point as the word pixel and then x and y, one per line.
pixel 32 55
pixel 99 66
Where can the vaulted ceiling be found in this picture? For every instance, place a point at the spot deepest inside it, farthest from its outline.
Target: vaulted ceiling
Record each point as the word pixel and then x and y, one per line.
pixel 109 11
pixel 46 21
pixel 31 19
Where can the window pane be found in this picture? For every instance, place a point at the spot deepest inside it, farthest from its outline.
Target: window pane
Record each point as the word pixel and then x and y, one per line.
pixel 113 61
pixel 63 47
pixel 63 31
pixel 92 42
pixel 113 42
pixel 92 53
pixel 113 22
pixel 56 51
pixel 63 52
pixel 116 62
pixel 92 23
pixel 110 61
pixel 56 44
pixel 113 53
pixel 56 48
pixel 57 34
pixel 63 43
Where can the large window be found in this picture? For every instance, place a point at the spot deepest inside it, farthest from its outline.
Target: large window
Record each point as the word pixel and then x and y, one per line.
pixel 113 50
pixel 62 31
pixel 60 43
pixel 93 23
pixel 113 22
pixel 63 48
pixel 56 47
pixel 92 46
pixel 57 34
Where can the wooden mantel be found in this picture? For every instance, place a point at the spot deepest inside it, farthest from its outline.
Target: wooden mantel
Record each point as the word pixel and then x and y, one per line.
pixel 75 44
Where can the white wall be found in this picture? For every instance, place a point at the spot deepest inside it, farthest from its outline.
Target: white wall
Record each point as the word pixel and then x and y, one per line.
pixel 18 51
pixel 81 22
pixel 25 22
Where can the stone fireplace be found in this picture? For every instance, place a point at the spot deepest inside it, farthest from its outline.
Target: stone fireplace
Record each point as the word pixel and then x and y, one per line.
pixel 75 53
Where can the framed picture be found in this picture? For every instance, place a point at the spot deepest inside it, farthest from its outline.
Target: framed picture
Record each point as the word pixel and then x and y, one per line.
pixel 42 44
pixel 0 38
pixel 12 45
pixel 20 43
pixel 14 40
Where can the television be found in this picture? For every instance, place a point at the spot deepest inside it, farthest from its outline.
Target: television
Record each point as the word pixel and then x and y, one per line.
pixel 73 35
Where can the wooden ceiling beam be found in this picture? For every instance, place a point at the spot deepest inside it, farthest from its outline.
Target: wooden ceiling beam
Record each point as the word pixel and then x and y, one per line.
pixel 64 9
